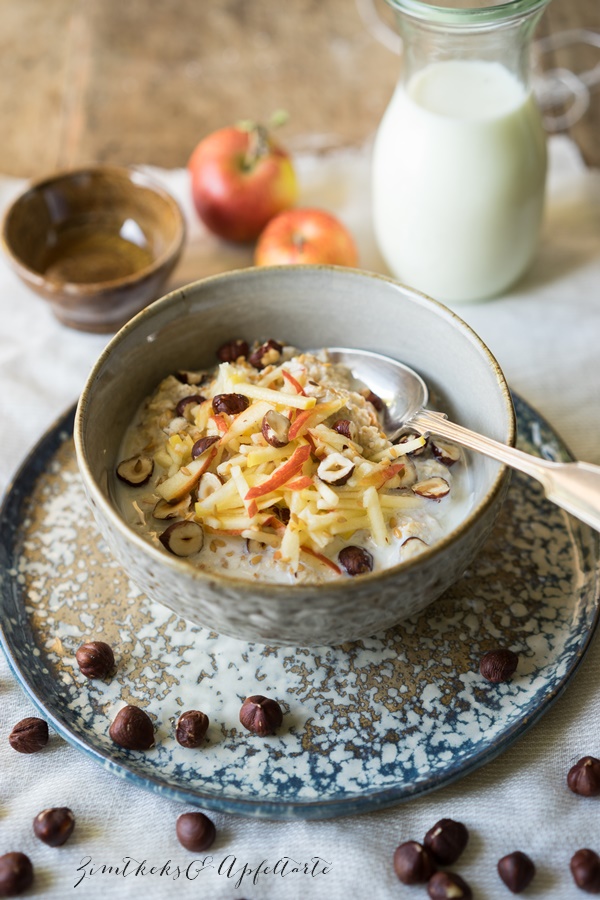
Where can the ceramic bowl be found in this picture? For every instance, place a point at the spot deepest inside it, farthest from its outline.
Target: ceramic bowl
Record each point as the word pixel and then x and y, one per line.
pixel 307 307
pixel 98 243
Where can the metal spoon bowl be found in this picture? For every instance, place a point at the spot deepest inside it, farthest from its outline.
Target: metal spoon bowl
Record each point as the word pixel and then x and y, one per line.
pixel 575 487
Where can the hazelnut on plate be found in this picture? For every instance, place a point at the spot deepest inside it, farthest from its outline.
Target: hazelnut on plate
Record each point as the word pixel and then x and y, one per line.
pixel 95 659
pixel 498 665
pixel 191 728
pixel 132 728
pixel 261 715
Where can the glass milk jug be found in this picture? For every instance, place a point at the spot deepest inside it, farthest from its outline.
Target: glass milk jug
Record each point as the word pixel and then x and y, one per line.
pixel 459 164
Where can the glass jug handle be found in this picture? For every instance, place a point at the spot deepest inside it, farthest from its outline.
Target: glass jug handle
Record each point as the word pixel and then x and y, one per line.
pixel 562 87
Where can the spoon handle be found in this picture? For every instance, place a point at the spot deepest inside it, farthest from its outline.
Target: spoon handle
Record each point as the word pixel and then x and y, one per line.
pixel 575 487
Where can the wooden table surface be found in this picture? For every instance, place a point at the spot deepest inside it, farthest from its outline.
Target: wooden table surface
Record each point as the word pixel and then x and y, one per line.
pixel 141 82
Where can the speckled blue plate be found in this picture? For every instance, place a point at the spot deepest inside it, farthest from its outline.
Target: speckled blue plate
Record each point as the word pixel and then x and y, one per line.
pixel 366 725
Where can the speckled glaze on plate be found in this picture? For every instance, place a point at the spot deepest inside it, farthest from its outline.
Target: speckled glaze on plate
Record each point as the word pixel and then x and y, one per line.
pixel 366 725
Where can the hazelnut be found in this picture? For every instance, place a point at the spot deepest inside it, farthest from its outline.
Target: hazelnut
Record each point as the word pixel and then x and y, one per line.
pixel 183 538
pixel 585 869
pixel 355 560
pixel 447 454
pixel 16 874
pixel 132 728
pixel 261 715
pixel 446 841
pixel 335 469
pixel 203 444
pixel 54 826
pixel 584 777
pixel 372 398
pixel 275 428
pixel 232 350
pixel 208 484
pixel 413 863
pixel 186 402
pixel 95 659
pixel 232 404
pixel 516 871
pixel 346 428
pixel 448 886
pixel 136 470
pixel 498 665
pixel 267 354
pixel 282 513
pixel 431 488
pixel 191 728
pixel 412 547
pixel 187 377
pixel 166 510
pixel 411 436
pixel 29 735
pixel 254 547
pixel 195 831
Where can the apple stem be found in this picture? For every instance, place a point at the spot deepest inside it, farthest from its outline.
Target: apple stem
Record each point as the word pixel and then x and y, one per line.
pixel 258 146
pixel 298 241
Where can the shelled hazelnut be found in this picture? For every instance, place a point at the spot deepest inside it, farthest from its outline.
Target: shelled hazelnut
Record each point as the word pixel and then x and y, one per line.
pixel 185 404
pixel 16 874
pixel 446 841
pixel 184 538
pixel 231 404
pixel 355 560
pixel 516 871
pixel 585 869
pixel 267 354
pixel 132 728
pixel 54 826
pixel 195 831
pixel 29 735
pixel 136 470
pixel 95 659
pixel 448 886
pixel 413 863
pixel 498 665
pixel 275 428
pixel 261 715
pixel 231 351
pixel 584 777
pixel 203 444
pixel 191 728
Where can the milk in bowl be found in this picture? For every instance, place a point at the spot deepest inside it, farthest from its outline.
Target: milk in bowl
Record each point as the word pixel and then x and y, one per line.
pixel 459 173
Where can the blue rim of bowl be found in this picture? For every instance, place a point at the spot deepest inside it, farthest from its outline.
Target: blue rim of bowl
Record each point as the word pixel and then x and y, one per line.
pixel 370 801
pixel 273 589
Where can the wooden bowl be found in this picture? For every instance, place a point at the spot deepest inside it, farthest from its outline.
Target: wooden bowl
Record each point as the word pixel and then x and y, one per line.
pixel 99 243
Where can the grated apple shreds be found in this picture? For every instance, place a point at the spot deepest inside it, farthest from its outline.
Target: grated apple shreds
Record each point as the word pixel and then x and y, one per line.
pixel 273 494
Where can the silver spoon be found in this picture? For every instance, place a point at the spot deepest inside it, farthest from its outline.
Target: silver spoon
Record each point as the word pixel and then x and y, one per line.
pixel 574 486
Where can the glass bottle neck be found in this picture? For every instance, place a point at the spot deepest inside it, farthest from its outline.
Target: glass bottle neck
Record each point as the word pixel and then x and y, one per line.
pixel 505 42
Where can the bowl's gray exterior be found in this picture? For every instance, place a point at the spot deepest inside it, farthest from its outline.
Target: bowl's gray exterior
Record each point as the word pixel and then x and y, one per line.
pixel 307 307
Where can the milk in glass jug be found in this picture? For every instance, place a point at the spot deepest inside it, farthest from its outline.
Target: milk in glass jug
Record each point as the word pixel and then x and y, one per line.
pixel 459 165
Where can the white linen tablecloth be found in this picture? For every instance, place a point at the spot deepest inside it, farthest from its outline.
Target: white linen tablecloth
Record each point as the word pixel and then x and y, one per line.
pixel 546 336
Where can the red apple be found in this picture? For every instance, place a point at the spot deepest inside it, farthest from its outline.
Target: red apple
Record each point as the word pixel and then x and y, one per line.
pixel 240 179
pixel 305 236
